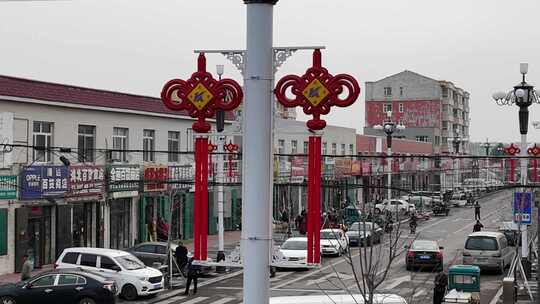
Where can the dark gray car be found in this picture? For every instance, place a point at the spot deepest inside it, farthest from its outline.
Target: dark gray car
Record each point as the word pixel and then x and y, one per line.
pixel 152 253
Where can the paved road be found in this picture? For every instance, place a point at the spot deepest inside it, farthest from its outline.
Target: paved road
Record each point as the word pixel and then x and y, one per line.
pixel 335 274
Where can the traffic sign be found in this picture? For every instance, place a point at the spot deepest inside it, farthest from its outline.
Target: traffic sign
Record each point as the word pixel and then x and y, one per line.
pixel 522 209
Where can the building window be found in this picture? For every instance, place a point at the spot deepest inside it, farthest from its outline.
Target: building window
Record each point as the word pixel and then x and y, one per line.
pixel 400 108
pixel 387 107
pixel 351 149
pixel 281 146
pixel 324 148
pixel 189 139
pixel 86 143
pixel 43 141
pixel 387 91
pixel 334 149
pixel 149 153
pixel 444 92
pixel 174 146
pixel 294 146
pixel 120 142
pixel 437 141
pixel 306 147
pixel 422 138
pixel 342 149
pixel 400 91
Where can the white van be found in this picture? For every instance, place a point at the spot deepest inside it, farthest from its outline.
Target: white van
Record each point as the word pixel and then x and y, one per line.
pixel 487 249
pixel 338 299
pixel 132 277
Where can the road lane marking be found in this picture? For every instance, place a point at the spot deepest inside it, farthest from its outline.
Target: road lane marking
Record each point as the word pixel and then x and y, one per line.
pixel 419 293
pixel 195 300
pixel 314 272
pixel 171 300
pixel 338 275
pixel 396 282
pixel 223 301
pixel 280 275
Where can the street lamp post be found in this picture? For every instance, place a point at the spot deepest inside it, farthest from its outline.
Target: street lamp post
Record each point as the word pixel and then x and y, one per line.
pixel 220 118
pixel 389 127
pixel 487 146
pixel 522 95
pixel 457 140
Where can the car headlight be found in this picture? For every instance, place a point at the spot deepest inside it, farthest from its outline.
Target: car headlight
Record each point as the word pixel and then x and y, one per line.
pixel 142 278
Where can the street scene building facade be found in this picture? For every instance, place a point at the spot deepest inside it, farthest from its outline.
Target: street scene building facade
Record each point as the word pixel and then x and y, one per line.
pixel 431 110
pixel 127 156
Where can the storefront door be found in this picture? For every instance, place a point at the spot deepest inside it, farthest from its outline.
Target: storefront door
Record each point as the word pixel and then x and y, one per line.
pixel 82 224
pixel 33 235
pixel 120 223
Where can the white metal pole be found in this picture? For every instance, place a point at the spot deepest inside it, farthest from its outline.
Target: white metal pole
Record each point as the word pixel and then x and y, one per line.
pixel 257 144
pixel 523 163
pixel 220 180
pixel 389 162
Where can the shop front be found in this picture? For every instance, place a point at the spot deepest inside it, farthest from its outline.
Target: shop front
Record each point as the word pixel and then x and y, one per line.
pixel 85 199
pixel 42 189
pixel 180 182
pixel 154 207
pixel 123 186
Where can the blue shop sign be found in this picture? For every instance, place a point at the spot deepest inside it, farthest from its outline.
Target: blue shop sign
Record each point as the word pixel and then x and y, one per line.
pixel 44 181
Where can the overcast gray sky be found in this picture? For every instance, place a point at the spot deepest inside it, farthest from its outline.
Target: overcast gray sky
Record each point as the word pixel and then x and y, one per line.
pixel 135 46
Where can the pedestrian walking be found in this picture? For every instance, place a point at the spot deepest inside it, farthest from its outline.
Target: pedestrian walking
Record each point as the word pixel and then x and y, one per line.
pixel 180 254
pixel 478 226
pixel 441 281
pixel 476 210
pixel 27 268
pixel 193 274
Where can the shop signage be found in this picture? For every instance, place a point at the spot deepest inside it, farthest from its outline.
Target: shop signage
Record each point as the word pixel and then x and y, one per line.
pixel 356 167
pixel 86 181
pixel 8 187
pixel 123 180
pixel 343 167
pixel 298 169
pixel 44 181
pixel 181 177
pixel 155 178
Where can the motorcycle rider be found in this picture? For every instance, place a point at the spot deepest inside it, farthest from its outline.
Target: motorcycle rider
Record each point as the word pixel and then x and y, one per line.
pixel 413 223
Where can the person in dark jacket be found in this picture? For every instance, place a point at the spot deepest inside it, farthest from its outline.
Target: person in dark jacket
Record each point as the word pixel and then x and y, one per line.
pixel 192 276
pixel 476 210
pixel 478 226
pixel 441 281
pixel 180 254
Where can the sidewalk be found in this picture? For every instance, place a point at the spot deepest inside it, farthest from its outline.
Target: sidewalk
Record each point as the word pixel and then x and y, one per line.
pixel 16 277
pixel 230 239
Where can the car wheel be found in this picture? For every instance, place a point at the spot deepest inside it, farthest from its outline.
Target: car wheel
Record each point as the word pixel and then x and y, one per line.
pixel 87 301
pixel 377 210
pixel 129 292
pixel 7 300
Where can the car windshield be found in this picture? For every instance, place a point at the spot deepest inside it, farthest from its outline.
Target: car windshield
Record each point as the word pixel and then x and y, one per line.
pixel 481 243
pixel 364 226
pixel 329 235
pixel 294 245
pixel 424 245
pixel 129 262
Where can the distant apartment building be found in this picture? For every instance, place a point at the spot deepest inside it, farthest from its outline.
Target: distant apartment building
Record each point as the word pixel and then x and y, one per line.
pixel 434 111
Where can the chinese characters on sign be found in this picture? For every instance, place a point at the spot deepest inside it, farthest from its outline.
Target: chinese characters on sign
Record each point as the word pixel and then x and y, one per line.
pixel 86 181
pixel 124 181
pixel 180 177
pixel 155 178
pixel 44 181
pixel 8 187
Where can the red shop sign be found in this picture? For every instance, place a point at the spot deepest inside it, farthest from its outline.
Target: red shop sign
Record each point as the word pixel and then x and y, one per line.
pixel 155 178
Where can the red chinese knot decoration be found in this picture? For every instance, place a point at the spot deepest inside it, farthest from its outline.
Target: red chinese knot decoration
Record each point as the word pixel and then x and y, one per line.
pixel 512 151
pixel 201 95
pixel 535 151
pixel 317 91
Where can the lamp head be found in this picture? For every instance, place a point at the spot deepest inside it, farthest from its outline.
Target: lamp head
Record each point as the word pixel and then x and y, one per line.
pixel 523 68
pixel 378 127
pixel 400 127
pixel 220 69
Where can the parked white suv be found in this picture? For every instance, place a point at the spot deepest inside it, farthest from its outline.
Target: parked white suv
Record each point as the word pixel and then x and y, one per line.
pixel 132 277
pixel 395 205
